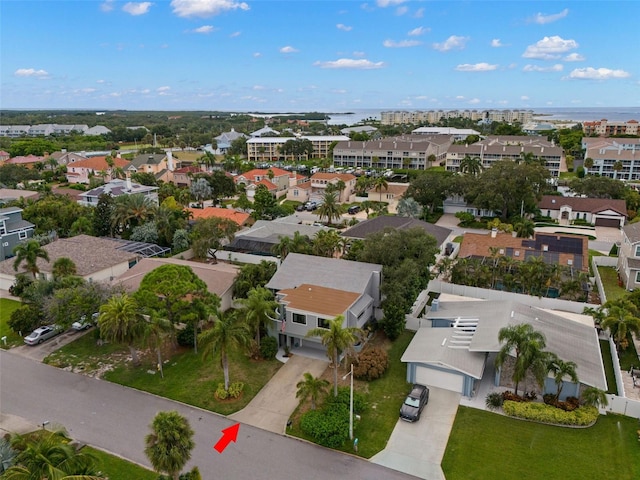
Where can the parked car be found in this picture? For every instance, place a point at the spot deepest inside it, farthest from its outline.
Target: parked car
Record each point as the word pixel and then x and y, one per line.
pixel 414 403
pixel 85 322
pixel 311 206
pixel 353 209
pixel 300 208
pixel 41 334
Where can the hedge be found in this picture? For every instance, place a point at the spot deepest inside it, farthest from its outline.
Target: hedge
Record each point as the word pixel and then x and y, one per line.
pixel 539 412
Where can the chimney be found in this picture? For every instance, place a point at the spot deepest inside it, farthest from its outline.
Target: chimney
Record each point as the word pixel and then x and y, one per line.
pixel 494 232
pixel 170 160
pixel 129 186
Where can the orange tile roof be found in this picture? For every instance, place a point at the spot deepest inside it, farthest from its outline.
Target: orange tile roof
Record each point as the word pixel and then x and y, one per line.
pixel 268 184
pixel 345 177
pixel 264 172
pixel 210 212
pixel 315 299
pixel 99 163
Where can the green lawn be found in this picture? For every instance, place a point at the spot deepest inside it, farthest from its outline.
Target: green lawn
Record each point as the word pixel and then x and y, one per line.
pixel 609 278
pixel 383 398
pixel 629 356
pixel 6 308
pixel 117 468
pixel 485 445
pixel 187 377
pixel 608 367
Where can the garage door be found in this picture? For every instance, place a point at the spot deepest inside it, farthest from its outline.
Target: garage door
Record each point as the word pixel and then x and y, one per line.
pixel 607 222
pixel 439 379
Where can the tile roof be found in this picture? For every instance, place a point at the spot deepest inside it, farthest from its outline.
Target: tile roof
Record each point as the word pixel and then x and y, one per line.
pixel 99 163
pixel 22 160
pixel 593 205
pixel 316 299
pixel 264 172
pixel 345 177
pixel 216 212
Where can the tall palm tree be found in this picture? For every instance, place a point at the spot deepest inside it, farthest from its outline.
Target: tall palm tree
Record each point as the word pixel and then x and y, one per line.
pixel 157 333
pixel 50 456
pixel 63 267
pixel 311 387
pixel 227 333
pixel 326 243
pixel 472 166
pixel 330 208
pixel 560 370
pixel 28 253
pixel 131 210
pixel 258 310
pixel 619 320
pixel 283 247
pixel 168 446
pixel 120 321
pixel 524 228
pixel 379 184
pixel 523 341
pixel 337 339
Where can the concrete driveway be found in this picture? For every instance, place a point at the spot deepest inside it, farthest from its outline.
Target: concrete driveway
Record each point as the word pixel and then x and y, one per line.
pixel 40 352
pixel 274 404
pixel 418 448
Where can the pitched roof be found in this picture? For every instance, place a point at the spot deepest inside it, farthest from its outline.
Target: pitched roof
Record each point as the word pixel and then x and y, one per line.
pixel 216 212
pixel 148 159
pixel 118 187
pixel 345 177
pixel 593 205
pixel 377 224
pixel 264 172
pixel 22 160
pixel 316 299
pixel 99 163
pixel 632 231
pixel 189 169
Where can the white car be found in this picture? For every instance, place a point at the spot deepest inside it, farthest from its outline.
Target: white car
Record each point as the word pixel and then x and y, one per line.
pixel 85 322
pixel 41 334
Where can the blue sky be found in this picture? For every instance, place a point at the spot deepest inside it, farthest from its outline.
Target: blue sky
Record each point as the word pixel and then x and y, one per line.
pixel 330 56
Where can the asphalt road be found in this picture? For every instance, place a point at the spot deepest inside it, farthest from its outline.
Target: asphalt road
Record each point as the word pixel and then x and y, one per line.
pixel 116 419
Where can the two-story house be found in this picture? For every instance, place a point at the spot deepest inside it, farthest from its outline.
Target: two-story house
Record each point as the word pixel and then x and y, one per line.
pixel 629 256
pixel 156 164
pixel 311 290
pixel 270 177
pixel 116 188
pixel 81 171
pixel 317 185
pixel 13 230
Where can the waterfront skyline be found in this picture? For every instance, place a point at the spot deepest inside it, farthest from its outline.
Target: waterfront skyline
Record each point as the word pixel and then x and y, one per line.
pixel 318 55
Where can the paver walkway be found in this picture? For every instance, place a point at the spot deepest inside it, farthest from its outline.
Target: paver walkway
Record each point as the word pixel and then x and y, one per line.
pixel 272 407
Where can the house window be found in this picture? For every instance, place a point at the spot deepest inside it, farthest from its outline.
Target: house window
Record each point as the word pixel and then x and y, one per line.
pixel 299 318
pixel 323 323
pixel 637 254
pixel 22 234
pixel 3 229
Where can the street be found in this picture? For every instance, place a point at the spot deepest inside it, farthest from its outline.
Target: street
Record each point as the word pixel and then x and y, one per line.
pixel 116 419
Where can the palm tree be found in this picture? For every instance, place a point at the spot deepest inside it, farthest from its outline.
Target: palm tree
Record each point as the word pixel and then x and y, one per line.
pixel 29 252
pixel 620 320
pixel 326 243
pixel 595 397
pixel 408 207
pixel 617 168
pixel 525 342
pixel 168 446
pixel 311 387
pixel 282 248
pixel 50 456
pixel 379 184
pixel 588 163
pixel 227 334
pixel 63 267
pixel 120 321
pixel 157 332
pixel 131 210
pixel 257 309
pixel 472 166
pixel 337 339
pixel 329 209
pixel 561 370
pixel 524 228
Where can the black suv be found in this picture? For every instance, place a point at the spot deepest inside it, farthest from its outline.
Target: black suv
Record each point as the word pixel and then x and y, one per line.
pixel 353 209
pixel 414 403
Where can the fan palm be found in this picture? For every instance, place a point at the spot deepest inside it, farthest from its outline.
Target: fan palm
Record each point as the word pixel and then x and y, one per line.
pixel 257 310
pixel 560 370
pixel 311 387
pixel 169 445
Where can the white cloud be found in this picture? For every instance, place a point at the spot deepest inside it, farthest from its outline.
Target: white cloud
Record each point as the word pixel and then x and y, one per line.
pixel 204 29
pixel 536 68
pixel 106 6
pixel 135 8
pixel 288 49
pixel 401 44
pixel 524 97
pixel 401 10
pixel 474 101
pixel 496 43
pixel 419 13
pixel 257 55
pixel 574 57
pixel 100 81
pixel 235 34
pixel 259 87
pixel 205 8
pixel 543 19
pixel 460 97
pixel 163 89
pixel 350 63
pixel 476 67
pixel 591 73
pixel 86 90
pixel 31 72
pixel 343 27
pixel 549 48
pixel 454 42
pixel 416 32
pixel 389 3
pixel 145 91
pixel 339 91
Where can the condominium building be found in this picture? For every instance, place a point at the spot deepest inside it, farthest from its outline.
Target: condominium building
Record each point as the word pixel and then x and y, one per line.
pixel 411 152
pixel 266 149
pixel 434 116
pixel 614 158
pixel 605 128
pixel 46 129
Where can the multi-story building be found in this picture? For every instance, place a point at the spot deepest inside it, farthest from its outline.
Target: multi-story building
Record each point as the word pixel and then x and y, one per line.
pixel 416 117
pixel 412 152
pixel 13 230
pixel 266 149
pixel 605 128
pixel 277 177
pixel 317 185
pixel 629 256
pixel 81 171
pixel 47 129
pixel 496 148
pixel 614 158
pixel 116 188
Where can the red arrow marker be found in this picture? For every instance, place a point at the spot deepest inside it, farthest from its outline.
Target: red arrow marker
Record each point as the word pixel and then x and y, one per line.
pixel 229 435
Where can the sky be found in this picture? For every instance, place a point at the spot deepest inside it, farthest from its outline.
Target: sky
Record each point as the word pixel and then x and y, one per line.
pixel 329 56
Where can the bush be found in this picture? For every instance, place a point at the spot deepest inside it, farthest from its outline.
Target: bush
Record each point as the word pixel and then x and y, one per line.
pixel 268 348
pixel 185 336
pixel 328 427
pixel 507 395
pixel 221 393
pixel 614 250
pixel 21 283
pixel 343 399
pixel 235 390
pixel 25 319
pixel 394 320
pixel 540 412
pixel 494 401
pixel 372 363
pixel 569 405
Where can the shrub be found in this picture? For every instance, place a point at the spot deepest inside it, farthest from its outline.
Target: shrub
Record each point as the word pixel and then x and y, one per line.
pixel 268 348
pixel 221 393
pixel 235 389
pixel 507 395
pixel 185 336
pixel 494 401
pixel 569 405
pixel 343 399
pixel 21 283
pixel 540 412
pixel 372 363
pixel 25 319
pixel 328 427
pixel 614 250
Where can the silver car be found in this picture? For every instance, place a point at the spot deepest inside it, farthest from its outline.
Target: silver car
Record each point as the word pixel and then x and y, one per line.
pixel 85 322
pixel 41 334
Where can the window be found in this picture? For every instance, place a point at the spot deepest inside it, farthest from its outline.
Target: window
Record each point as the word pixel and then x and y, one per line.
pixel 323 323
pixel 22 234
pixel 3 229
pixel 637 254
pixel 299 318
pixel 637 277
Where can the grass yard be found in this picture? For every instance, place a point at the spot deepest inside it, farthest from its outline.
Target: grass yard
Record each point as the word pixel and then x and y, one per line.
pixel 485 445
pixel 608 367
pixel 117 468
pixel 629 356
pixel 383 396
pixel 609 278
pixel 7 307
pixel 187 377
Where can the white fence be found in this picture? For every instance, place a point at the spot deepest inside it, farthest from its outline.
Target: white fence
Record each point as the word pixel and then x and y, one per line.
pixel 616 367
pixel 623 406
pixel 602 261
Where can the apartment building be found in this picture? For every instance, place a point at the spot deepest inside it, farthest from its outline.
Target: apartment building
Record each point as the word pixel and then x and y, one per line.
pixel 605 128
pixel 410 152
pixel 46 129
pixel 434 116
pixel 614 158
pixel 266 149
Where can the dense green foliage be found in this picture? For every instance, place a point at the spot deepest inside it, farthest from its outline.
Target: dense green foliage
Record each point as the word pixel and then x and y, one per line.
pixel 540 412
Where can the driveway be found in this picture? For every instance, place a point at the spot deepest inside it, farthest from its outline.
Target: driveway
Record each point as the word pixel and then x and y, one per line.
pixel 418 448
pixel 40 352
pixel 272 407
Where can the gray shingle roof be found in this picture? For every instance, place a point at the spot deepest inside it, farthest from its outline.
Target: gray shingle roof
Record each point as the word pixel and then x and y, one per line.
pixel 377 224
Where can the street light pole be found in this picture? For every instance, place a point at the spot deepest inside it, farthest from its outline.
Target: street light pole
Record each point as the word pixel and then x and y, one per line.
pixel 350 404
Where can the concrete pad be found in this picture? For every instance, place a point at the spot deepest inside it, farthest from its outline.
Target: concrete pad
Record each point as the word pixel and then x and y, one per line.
pixel 14 424
pixel 417 448
pixel 274 404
